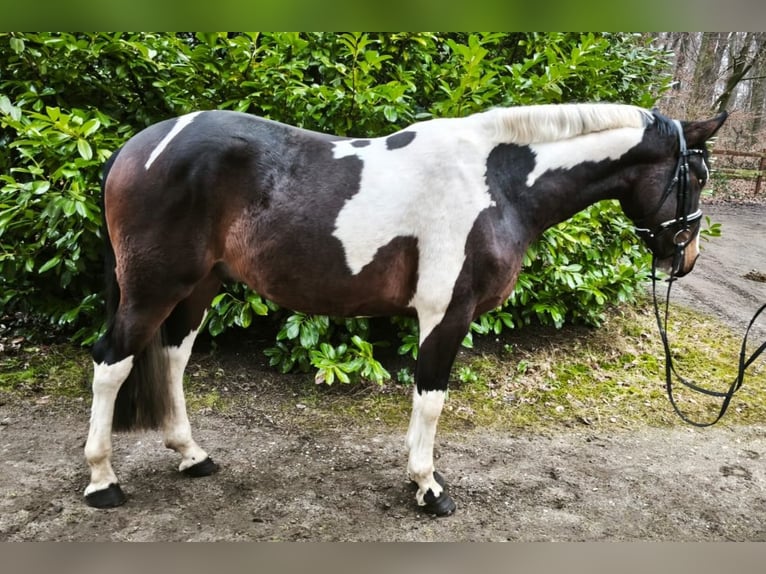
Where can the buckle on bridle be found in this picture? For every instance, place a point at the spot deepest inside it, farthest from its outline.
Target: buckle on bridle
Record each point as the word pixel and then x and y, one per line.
pixel 684 235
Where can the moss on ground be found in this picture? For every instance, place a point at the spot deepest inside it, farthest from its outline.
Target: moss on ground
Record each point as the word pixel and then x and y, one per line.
pixel 55 370
pixel 537 379
pixel 612 376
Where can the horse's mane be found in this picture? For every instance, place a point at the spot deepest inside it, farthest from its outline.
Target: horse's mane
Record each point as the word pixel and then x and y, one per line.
pixel 550 122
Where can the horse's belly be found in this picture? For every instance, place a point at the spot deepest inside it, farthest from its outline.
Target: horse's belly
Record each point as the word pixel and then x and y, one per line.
pixel 312 276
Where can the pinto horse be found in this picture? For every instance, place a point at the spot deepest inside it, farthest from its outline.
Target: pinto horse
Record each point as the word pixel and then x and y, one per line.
pixel 431 221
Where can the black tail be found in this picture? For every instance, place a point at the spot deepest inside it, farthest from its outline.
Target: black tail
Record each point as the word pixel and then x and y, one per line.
pixel 143 401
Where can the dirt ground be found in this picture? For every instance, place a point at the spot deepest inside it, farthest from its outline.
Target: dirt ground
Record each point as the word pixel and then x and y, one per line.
pixel 729 279
pixel 284 480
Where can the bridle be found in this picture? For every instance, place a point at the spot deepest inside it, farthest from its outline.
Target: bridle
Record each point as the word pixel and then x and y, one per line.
pixel 684 225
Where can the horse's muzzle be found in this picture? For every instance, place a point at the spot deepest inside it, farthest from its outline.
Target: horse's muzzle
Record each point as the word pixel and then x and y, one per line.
pixel 683 259
pixel 687 262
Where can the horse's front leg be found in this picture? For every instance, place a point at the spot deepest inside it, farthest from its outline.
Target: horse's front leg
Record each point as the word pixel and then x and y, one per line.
pixel 436 355
pixel 431 494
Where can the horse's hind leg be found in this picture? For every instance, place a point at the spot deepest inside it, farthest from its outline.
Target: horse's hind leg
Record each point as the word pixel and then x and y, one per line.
pixel 137 381
pixel 104 491
pixel 181 329
pixel 124 351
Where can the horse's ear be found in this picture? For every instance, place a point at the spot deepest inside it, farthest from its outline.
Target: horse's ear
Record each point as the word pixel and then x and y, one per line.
pixel 697 133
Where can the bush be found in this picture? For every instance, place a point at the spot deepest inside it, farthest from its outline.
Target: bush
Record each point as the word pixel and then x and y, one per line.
pixel 56 133
pixel 50 218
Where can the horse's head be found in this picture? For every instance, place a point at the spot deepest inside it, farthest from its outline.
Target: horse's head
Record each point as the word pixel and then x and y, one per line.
pixel 665 203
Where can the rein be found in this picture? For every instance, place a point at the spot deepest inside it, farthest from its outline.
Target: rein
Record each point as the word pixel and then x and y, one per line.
pixel 670 369
pixel 684 222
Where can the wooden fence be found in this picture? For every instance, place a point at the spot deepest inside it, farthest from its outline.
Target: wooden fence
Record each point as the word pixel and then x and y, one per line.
pixel 744 173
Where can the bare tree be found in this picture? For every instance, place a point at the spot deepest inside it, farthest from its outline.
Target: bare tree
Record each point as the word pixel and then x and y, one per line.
pixel 741 61
pixel 713 71
pixel 708 65
pixel 682 46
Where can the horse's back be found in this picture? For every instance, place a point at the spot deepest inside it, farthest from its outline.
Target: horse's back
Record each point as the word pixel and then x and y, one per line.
pixel 209 167
pixel 258 200
pixel 212 143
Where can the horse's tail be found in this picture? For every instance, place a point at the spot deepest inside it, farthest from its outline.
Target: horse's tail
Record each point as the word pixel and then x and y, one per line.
pixel 143 401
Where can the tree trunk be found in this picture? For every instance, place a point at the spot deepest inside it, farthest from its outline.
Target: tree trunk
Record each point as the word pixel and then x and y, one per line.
pixel 757 98
pixel 707 68
pixel 681 47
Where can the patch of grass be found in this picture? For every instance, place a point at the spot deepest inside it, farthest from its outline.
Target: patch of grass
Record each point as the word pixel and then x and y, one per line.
pixel 55 370
pixel 536 379
pixel 611 376
pixel 542 379
pixel 197 400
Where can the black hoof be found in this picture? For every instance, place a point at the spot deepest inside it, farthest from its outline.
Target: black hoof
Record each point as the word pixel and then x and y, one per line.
pixel 202 468
pixel 108 498
pixel 442 506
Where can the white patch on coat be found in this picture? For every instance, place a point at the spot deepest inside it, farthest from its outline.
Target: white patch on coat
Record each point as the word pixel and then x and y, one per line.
pixel 180 124
pixel 107 380
pixel 426 409
pixel 177 429
pixel 432 189
pixel 594 147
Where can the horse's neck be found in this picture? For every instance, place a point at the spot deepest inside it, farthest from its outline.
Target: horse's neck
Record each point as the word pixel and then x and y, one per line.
pixel 561 178
pixel 547 206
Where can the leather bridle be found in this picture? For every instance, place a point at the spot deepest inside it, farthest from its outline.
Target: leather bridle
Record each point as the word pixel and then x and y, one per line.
pixel 685 224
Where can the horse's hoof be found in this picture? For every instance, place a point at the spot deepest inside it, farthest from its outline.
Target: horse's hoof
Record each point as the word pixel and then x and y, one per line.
pixel 441 506
pixel 202 468
pixel 107 498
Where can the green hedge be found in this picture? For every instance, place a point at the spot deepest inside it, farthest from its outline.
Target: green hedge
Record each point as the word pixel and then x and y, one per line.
pixel 68 100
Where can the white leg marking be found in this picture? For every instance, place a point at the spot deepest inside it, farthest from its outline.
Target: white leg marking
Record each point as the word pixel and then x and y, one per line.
pixel 107 380
pixel 426 408
pixel 180 124
pixel 177 431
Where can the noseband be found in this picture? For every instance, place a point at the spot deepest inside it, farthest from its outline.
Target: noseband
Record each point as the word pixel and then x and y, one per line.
pixel 684 221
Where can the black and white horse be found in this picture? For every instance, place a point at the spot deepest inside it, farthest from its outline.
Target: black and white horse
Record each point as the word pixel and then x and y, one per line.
pixel 431 221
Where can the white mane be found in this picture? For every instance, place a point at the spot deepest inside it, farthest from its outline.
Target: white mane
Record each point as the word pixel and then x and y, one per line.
pixel 525 125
